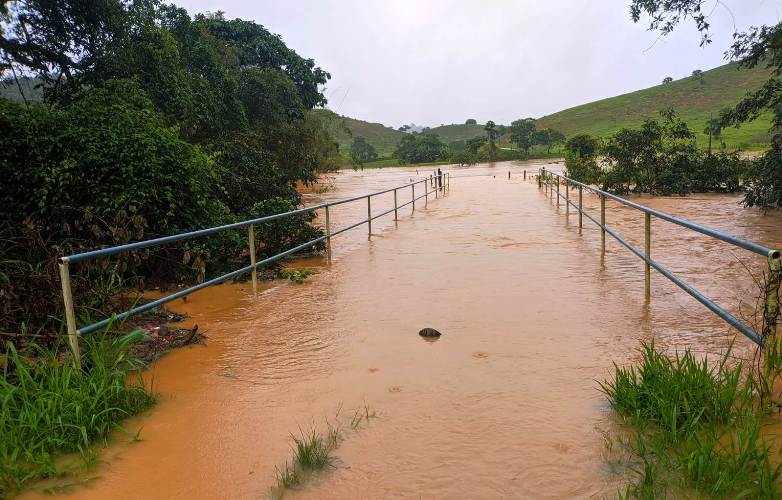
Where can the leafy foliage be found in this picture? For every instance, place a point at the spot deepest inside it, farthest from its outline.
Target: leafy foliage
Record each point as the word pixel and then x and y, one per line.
pixel 361 151
pixel 420 148
pixel 154 123
pixel 659 158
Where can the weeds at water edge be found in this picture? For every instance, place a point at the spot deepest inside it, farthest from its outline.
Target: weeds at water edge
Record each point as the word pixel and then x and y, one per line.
pixel 696 428
pixel 51 407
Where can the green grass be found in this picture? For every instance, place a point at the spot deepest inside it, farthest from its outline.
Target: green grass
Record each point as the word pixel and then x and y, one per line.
pixel 696 428
pixel 314 451
pixel 458 132
pixel 49 407
pixel 694 101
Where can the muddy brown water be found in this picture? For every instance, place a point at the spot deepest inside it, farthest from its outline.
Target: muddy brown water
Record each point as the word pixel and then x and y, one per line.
pixel 504 404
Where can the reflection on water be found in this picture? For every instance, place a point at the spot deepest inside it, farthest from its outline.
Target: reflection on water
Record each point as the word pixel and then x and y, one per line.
pixel 504 404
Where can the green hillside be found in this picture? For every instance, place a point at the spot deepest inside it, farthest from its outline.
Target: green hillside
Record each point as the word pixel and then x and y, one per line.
pixel 692 99
pixel 457 132
pixel 383 138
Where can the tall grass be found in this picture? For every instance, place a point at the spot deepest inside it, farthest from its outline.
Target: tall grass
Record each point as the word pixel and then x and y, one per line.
pixel 50 407
pixel 696 427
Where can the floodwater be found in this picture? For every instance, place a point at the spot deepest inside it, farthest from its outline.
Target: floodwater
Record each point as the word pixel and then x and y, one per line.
pixel 504 404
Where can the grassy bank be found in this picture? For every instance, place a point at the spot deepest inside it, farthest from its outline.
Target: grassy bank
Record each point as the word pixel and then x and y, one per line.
pixel 694 428
pixel 51 408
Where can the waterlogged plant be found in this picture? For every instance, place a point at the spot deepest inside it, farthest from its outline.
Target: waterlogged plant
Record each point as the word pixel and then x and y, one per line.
pixel 695 427
pixel 313 451
pixel 296 275
pixel 50 407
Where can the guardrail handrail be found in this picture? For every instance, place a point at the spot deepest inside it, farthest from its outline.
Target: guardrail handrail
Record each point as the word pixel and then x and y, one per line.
pixel 771 308
pixel 439 182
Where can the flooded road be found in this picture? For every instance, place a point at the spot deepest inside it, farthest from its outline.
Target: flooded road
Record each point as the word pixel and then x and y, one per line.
pixel 504 404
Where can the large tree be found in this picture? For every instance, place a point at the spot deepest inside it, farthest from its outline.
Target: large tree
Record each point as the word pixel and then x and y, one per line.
pixel 523 133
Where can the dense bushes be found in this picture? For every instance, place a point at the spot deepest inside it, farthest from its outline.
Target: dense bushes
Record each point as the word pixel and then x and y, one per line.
pixel 154 123
pixel 659 158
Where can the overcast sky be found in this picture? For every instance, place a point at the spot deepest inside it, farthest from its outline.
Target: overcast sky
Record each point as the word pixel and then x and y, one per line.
pixel 442 61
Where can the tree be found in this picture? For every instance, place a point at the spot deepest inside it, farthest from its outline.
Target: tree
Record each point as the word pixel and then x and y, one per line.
pixel 472 145
pixel 555 137
pixel 757 45
pixel 522 133
pixel 471 121
pixel 361 151
pixel 491 137
pixel 580 158
pixel 698 74
pixel 667 79
pixel 420 148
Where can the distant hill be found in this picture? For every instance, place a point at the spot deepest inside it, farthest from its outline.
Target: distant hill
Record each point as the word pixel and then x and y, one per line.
pixel 383 138
pixel 457 132
pixel 690 97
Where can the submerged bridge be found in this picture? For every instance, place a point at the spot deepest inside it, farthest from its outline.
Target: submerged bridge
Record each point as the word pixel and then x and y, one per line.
pixel 554 185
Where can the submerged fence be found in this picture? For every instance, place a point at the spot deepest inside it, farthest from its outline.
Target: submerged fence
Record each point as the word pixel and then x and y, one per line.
pixel 437 183
pixel 551 183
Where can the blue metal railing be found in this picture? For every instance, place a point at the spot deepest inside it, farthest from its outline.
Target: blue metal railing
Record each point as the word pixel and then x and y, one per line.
pixel 773 256
pixel 438 184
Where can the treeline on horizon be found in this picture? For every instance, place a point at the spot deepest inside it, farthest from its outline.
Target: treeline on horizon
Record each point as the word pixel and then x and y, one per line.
pixel 148 122
pixel 426 146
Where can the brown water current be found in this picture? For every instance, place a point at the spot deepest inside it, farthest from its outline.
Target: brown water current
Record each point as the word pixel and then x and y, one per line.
pixel 504 405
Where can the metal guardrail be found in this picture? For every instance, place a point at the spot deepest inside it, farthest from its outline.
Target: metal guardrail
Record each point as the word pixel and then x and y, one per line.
pixel 771 307
pixel 441 184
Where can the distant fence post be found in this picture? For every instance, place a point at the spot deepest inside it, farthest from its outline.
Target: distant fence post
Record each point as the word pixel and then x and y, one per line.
pixel 70 315
pixel 251 243
pixel 426 191
pixel 558 182
pixel 328 234
pixel 580 209
pixel 602 227
pixel 648 254
pixel 396 215
pixel 369 217
pixel 567 199
pixel 413 186
pixel 771 307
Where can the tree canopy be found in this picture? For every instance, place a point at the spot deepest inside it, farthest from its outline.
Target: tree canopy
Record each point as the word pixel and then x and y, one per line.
pixel 153 122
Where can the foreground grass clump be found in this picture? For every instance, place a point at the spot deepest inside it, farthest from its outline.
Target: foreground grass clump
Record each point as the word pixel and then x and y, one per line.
pixel 695 427
pixel 50 407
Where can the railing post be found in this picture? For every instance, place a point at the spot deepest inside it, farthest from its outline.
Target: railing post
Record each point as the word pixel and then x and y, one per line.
pixel 436 186
pixel 251 242
pixel 558 180
pixel 396 215
pixel 602 226
pixel 369 217
pixel 328 233
pixel 426 191
pixel 525 175
pixel 648 254
pixel 70 315
pixel 413 186
pixel 580 209
pixel 771 307
pixel 567 199
pixel 540 178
